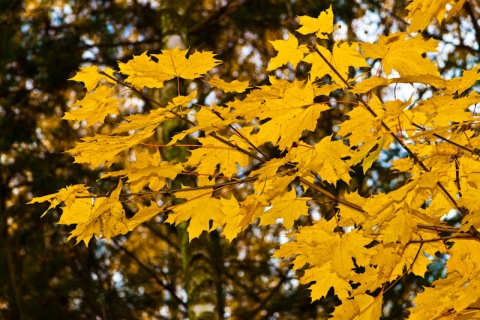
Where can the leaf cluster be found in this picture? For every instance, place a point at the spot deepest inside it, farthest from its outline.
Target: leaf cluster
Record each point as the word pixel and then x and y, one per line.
pixel 368 243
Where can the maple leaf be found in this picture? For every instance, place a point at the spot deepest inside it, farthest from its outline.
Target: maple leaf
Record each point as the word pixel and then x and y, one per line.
pixel 450 295
pixel 234 86
pixel 209 119
pixel 419 263
pixel 343 57
pixel 67 195
pixel 464 260
pixel 361 307
pixel 324 279
pixel 91 76
pixel 105 148
pixel 327 253
pixel 421 13
pixel 200 208
pixel 181 101
pixel 442 110
pixel 174 63
pixel 287 128
pixel 149 170
pixel 466 81
pixel 367 153
pixel 349 216
pixel 287 207
pixel 321 26
pixel 143 72
pixel 137 122
pixel 291 112
pixel 145 213
pixel 93 108
pixel 288 51
pixel 401 227
pixel 214 152
pixel 104 218
pixel 404 54
pixel 361 126
pixel 325 158
pixel 232 218
pixel 318 244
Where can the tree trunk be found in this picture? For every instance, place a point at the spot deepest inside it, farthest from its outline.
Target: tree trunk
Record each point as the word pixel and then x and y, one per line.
pixel 202 272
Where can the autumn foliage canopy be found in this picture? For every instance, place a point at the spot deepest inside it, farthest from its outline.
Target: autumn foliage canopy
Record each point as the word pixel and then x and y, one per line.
pixel 222 178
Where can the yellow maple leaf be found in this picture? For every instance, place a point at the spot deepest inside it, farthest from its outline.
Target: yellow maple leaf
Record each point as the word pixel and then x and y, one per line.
pixel 287 207
pixel 324 279
pixel 234 86
pixel 361 126
pixel 442 110
pixel 404 54
pixel 318 244
pixel 466 81
pixel 137 122
pixel 451 296
pixel 104 218
pixel 291 111
pixel 182 101
pixel 343 57
pixel 401 227
pixel 287 128
pixel 214 152
pixel 349 216
pixel 232 218
pixel 321 26
pixel 200 208
pixel 145 213
pixel 419 263
pixel 250 209
pixel 422 12
pixel 66 195
pixel 361 307
pixel 288 51
pixel 78 212
pixel 94 107
pixel 143 72
pixel 325 159
pixel 91 76
pixel 464 259
pixel 209 119
pixel 387 264
pixel 148 169
pixel 174 63
pixel 105 148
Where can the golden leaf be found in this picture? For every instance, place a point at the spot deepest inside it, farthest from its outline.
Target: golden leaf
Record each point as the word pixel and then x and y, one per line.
pixel 288 51
pixel 321 26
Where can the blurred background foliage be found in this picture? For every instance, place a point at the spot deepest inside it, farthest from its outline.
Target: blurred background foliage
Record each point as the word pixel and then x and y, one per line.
pixel 145 274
